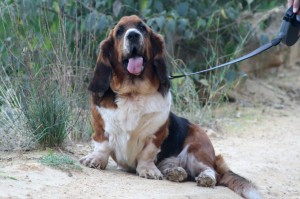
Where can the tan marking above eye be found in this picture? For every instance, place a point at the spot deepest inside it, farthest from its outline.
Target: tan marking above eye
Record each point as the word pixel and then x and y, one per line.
pixel 141 27
pixel 120 31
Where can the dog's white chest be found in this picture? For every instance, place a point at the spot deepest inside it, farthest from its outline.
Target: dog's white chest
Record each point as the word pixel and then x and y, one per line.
pixel 135 121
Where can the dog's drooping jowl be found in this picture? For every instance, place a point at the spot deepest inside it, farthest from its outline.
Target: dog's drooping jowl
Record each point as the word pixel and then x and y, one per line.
pixel 132 121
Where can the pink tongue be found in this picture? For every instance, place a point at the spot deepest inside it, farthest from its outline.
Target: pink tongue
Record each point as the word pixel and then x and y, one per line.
pixel 135 65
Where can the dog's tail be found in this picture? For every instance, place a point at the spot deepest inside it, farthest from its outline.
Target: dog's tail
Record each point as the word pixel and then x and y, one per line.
pixel 238 184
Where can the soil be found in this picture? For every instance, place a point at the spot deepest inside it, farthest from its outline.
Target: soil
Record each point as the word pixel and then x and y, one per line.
pixel 258 135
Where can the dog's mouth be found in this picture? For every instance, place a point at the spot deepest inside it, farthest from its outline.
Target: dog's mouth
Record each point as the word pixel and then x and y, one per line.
pixel 134 64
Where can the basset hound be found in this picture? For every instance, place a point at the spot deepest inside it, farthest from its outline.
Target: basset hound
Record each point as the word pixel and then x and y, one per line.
pixel 132 118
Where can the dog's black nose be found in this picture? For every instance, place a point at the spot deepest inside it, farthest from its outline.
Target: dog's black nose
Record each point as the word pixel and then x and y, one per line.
pixel 133 36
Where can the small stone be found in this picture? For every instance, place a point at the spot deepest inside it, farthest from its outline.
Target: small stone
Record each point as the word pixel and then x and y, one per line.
pixel 70 174
pixel 278 106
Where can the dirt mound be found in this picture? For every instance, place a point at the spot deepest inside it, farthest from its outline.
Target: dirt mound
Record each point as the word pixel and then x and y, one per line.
pixel 278 90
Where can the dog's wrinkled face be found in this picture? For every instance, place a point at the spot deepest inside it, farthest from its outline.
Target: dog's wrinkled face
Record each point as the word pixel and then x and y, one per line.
pixel 132 36
pixel 131 60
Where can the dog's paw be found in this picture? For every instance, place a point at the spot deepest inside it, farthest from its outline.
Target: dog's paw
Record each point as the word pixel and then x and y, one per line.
pixel 150 173
pixel 94 160
pixel 176 174
pixel 206 179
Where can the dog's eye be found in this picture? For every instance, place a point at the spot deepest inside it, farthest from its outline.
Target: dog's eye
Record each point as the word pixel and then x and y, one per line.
pixel 120 31
pixel 141 27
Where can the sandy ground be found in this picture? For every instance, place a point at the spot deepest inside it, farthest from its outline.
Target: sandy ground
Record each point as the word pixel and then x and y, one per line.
pixel 259 137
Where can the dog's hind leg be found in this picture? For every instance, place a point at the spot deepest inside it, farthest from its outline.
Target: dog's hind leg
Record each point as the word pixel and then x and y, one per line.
pixel 203 173
pixel 198 157
pixel 171 169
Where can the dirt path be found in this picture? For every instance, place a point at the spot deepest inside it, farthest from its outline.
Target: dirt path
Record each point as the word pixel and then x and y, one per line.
pixel 261 143
pixel 264 146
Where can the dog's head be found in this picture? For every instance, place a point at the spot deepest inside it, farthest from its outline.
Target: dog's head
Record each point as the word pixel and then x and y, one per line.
pixel 131 60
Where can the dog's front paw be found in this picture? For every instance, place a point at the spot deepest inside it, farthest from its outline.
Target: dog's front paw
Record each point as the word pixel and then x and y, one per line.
pixel 94 160
pixel 150 173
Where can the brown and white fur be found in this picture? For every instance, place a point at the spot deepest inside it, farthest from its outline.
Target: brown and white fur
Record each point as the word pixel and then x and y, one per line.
pixel 132 118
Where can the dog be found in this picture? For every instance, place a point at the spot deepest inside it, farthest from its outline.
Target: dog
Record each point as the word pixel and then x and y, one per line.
pixel 132 118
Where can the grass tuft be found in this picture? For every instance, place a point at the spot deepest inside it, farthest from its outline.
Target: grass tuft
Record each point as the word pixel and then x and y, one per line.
pixel 4 176
pixel 47 112
pixel 60 161
pixel 14 134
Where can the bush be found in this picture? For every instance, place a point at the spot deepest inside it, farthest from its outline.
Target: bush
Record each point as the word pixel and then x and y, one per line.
pixel 47 112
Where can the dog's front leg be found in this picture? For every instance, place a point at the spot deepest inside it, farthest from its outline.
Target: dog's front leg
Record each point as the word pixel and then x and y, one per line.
pixel 145 166
pixel 98 159
pixel 102 150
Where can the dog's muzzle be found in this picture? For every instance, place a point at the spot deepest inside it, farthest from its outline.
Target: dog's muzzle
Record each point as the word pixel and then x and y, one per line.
pixel 134 42
pixel 133 51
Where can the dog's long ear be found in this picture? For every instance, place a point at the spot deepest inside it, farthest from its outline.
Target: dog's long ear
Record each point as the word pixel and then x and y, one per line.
pixel 159 61
pixel 103 71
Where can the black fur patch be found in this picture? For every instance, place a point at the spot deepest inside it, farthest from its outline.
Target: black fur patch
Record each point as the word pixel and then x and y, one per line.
pixel 172 146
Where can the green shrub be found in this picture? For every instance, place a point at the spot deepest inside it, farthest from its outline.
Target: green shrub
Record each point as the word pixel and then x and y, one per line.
pixel 47 112
pixel 39 61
